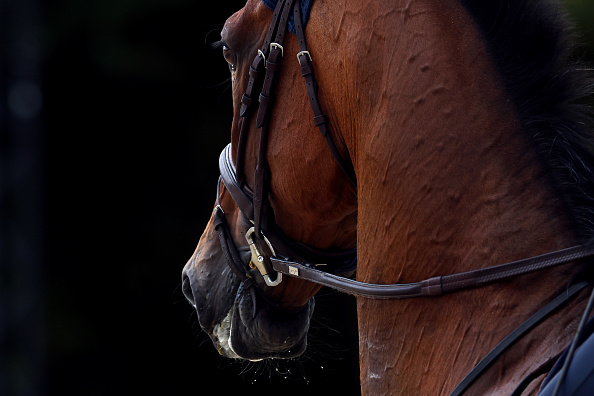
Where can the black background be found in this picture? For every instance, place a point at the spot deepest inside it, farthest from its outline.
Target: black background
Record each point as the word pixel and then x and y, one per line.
pixel 135 110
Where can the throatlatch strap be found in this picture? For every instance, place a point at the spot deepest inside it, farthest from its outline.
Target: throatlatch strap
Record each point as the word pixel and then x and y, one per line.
pixel 320 120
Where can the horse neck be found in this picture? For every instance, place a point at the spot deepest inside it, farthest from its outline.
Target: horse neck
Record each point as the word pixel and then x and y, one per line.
pixel 445 173
pixel 447 182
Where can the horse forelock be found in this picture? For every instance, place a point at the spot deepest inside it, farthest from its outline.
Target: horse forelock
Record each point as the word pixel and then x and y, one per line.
pixel 531 44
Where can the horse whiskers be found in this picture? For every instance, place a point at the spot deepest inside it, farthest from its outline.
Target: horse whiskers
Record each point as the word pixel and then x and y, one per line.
pixel 325 325
pixel 202 339
pixel 227 84
pixel 217 31
pixel 271 370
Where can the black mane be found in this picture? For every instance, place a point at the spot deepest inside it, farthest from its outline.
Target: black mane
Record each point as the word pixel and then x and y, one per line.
pixel 532 47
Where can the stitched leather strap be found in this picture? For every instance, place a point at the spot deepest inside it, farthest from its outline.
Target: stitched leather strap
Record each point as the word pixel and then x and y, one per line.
pixel 248 101
pixel 243 201
pixel 346 285
pixel 320 120
pixel 465 280
pixel 436 286
pixel 273 64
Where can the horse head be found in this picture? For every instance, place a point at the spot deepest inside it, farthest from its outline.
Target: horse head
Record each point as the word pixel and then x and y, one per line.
pixel 244 316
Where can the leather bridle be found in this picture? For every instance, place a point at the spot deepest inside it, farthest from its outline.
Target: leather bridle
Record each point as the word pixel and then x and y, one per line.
pixel 265 239
pixel 272 250
pixel 274 254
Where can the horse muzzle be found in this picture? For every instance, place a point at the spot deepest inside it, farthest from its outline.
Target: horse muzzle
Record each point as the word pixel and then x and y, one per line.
pixel 244 324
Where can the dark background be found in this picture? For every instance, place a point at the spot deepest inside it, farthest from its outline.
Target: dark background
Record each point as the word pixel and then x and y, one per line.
pixel 112 117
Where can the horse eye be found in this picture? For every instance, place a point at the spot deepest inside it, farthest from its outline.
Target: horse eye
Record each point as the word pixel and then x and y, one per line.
pixel 229 57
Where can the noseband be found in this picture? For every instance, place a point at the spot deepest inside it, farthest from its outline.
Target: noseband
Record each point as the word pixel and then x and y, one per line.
pixel 274 254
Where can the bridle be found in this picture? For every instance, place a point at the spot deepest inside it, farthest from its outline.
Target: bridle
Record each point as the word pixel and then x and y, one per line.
pixel 273 254
pixel 265 238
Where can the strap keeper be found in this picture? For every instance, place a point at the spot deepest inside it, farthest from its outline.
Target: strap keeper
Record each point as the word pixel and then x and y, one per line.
pixel 219 217
pixel 254 73
pixel 264 100
pixel 271 66
pixel 246 103
pixel 321 119
pixel 262 110
pixel 306 70
pixel 432 287
pixel 246 100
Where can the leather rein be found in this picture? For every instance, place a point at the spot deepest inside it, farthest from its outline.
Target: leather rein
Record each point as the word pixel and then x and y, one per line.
pixel 273 254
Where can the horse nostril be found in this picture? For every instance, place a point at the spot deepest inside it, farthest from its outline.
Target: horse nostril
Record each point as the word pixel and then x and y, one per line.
pixel 187 290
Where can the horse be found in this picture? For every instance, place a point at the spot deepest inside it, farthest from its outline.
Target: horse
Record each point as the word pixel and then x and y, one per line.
pixel 454 137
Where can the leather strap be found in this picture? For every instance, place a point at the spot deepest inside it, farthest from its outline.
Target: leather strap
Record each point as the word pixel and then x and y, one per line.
pixel 436 286
pixel 343 262
pixel 479 277
pixel 533 375
pixel 273 64
pixel 254 83
pixel 515 335
pixel 320 120
pixel 229 249
pixel 345 285
pixel 241 198
pixel 255 206
pixel 578 339
pixel 430 287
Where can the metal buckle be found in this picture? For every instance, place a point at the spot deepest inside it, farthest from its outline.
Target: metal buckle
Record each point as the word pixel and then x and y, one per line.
pixel 260 53
pixel 304 53
pixel 277 46
pixel 258 259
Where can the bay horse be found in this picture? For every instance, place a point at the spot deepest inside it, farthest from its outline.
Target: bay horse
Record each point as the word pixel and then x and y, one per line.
pixel 454 138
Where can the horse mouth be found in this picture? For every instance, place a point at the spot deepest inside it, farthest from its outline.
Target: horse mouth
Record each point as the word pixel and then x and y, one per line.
pixel 248 326
pixel 254 330
pixel 221 336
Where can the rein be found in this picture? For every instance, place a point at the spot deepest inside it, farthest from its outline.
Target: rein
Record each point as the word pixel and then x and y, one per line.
pixel 275 255
pixel 436 286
